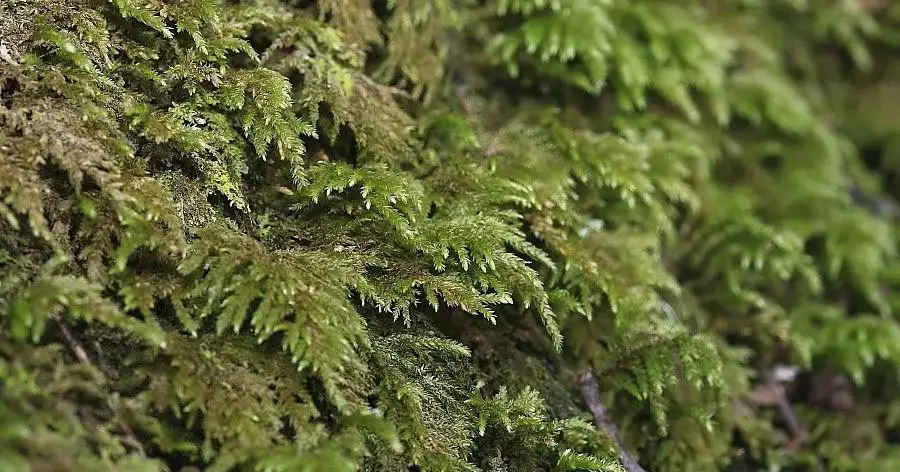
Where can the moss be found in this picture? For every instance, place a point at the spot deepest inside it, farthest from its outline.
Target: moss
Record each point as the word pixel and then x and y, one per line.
pixel 352 235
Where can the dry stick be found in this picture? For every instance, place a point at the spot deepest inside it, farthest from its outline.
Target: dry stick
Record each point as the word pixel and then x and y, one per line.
pixel 796 431
pixel 76 347
pixel 82 356
pixel 783 406
pixel 590 391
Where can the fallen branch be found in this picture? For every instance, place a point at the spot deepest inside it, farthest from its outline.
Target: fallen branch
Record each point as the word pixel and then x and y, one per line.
pixel 590 391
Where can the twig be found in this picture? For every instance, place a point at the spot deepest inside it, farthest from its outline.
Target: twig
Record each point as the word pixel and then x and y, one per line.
pixel 590 391
pixel 82 357
pixel 796 431
pixel 76 347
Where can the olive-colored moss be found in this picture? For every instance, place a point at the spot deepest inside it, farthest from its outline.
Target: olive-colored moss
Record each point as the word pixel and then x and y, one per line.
pixel 349 235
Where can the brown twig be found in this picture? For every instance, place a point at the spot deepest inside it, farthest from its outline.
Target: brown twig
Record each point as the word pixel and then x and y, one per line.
pixel 82 357
pixel 73 343
pixel 796 430
pixel 590 391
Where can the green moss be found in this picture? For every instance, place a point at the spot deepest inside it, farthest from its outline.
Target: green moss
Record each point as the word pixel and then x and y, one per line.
pixel 350 235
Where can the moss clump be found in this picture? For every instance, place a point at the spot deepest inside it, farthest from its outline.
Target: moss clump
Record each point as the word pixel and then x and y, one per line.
pixel 349 235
